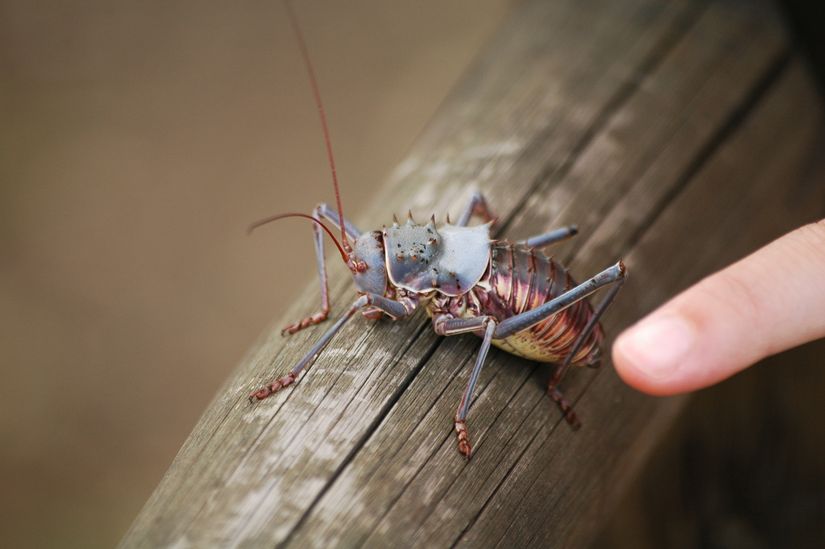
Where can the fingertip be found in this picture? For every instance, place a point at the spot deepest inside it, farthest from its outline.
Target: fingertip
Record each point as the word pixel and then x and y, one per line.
pixel 626 367
pixel 729 320
pixel 651 355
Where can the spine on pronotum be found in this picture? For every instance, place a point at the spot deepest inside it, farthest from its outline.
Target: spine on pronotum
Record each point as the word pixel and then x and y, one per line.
pixel 510 294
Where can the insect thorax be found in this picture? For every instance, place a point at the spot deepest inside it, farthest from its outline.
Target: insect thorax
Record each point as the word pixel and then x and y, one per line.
pixel 449 260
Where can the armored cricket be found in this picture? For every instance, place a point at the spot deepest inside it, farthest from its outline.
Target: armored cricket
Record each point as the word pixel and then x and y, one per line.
pixel 512 295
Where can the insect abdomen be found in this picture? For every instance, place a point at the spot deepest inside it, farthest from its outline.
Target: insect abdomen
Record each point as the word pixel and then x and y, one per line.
pixel 521 279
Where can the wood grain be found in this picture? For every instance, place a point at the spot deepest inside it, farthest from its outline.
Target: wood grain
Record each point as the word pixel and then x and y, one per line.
pixel 669 132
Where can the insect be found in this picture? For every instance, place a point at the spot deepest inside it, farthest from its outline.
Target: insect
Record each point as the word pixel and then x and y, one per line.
pixel 512 295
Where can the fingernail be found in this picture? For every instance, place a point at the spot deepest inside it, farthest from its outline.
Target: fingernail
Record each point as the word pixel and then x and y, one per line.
pixel 657 346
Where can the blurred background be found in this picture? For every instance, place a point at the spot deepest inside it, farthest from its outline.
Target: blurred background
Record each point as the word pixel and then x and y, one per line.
pixel 137 142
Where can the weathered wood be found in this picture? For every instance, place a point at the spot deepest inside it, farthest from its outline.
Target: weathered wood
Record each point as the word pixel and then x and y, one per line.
pixel 668 132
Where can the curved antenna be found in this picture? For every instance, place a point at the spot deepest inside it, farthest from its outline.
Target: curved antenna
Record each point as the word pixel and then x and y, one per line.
pixel 270 219
pixel 322 114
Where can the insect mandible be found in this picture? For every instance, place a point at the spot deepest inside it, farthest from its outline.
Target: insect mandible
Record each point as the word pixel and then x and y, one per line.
pixel 510 294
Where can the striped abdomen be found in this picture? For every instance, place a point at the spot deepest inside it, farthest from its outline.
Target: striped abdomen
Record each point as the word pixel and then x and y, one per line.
pixel 520 279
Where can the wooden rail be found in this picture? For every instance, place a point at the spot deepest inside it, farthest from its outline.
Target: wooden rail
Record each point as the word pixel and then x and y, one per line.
pixel 675 134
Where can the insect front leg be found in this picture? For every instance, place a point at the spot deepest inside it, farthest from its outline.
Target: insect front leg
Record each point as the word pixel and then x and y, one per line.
pixel 445 325
pixel 325 212
pixel 394 309
pixel 612 275
pixel 328 213
pixel 476 206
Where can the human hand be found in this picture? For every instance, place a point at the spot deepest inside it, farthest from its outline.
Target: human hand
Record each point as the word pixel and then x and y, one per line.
pixel 770 301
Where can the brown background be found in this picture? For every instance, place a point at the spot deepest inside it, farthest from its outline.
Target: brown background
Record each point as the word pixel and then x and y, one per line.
pixel 137 141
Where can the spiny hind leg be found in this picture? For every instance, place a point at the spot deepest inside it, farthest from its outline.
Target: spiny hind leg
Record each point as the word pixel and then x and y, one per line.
pixel 566 408
pixel 321 211
pixel 612 276
pixel 592 361
pixel 477 206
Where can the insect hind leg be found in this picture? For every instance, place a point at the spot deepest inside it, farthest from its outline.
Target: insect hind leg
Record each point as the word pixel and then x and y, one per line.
pixel 613 276
pixel 552 387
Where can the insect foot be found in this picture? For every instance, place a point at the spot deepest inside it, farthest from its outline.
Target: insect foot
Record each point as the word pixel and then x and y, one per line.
pixel 463 439
pixel 565 407
pixel 317 318
pixel 272 388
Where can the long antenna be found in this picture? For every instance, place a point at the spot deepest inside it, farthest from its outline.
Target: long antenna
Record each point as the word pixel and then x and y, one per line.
pixel 270 219
pixel 322 114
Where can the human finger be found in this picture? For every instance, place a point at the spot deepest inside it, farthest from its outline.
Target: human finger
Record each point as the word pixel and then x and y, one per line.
pixel 770 301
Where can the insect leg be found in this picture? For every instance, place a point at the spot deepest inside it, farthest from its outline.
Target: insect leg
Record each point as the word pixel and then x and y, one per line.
pixel 454 326
pixel 557 235
pixel 526 319
pixel 393 308
pixel 321 211
pixel 552 387
pixel 288 379
pixel 476 206
pixel 328 213
pixel 320 316
pixel 447 325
